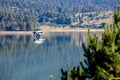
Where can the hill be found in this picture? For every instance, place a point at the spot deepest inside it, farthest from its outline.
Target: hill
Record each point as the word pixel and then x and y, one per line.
pixel 39 6
pixel 92 19
pixel 57 12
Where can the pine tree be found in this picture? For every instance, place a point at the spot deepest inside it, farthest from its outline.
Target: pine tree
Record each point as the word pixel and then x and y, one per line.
pixel 103 57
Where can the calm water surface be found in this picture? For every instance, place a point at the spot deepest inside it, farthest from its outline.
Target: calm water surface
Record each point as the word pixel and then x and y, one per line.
pixel 21 58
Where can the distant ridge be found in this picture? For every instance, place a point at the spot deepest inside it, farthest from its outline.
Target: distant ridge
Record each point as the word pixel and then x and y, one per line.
pixel 28 14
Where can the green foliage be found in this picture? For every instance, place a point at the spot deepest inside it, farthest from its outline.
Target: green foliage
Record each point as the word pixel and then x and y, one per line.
pixel 61 6
pixel 75 74
pixel 10 21
pixel 117 18
pixel 55 11
pixel 55 18
pixel 103 57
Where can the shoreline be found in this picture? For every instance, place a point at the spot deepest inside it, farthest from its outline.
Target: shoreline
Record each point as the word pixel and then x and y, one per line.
pixel 47 30
pixel 16 32
pixel 75 30
pixel 67 29
pixel 52 30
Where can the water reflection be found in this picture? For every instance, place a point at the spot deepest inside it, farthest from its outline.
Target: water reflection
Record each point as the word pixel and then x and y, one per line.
pixel 38 39
pixel 21 59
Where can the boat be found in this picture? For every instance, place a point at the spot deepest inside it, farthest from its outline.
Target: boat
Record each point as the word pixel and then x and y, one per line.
pixel 38 36
pixel 38 33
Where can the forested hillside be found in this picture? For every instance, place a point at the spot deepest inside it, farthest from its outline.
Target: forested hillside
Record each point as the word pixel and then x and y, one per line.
pixel 56 11
pixel 11 21
pixel 38 6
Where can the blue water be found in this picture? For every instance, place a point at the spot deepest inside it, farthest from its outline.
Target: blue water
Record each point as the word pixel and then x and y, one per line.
pixel 23 59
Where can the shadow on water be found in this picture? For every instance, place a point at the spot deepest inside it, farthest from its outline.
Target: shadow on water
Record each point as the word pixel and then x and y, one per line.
pixel 21 58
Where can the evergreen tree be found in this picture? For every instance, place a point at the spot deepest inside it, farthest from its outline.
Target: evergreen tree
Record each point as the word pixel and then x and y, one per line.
pixel 103 57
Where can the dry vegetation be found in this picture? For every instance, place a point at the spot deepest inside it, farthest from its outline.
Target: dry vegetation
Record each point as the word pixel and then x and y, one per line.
pixel 94 18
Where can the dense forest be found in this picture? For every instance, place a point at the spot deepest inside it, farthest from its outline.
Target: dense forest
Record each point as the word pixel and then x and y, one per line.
pixel 11 21
pixel 54 11
pixel 41 6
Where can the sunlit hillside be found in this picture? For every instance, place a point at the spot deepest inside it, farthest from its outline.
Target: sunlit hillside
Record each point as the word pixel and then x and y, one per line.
pixel 57 13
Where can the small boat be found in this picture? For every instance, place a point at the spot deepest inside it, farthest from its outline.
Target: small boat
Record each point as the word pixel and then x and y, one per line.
pixel 38 32
pixel 38 37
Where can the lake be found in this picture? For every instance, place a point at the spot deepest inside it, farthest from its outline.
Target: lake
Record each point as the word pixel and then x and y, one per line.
pixel 24 58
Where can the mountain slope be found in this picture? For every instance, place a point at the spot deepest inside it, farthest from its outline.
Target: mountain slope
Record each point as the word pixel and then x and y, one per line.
pixel 55 12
